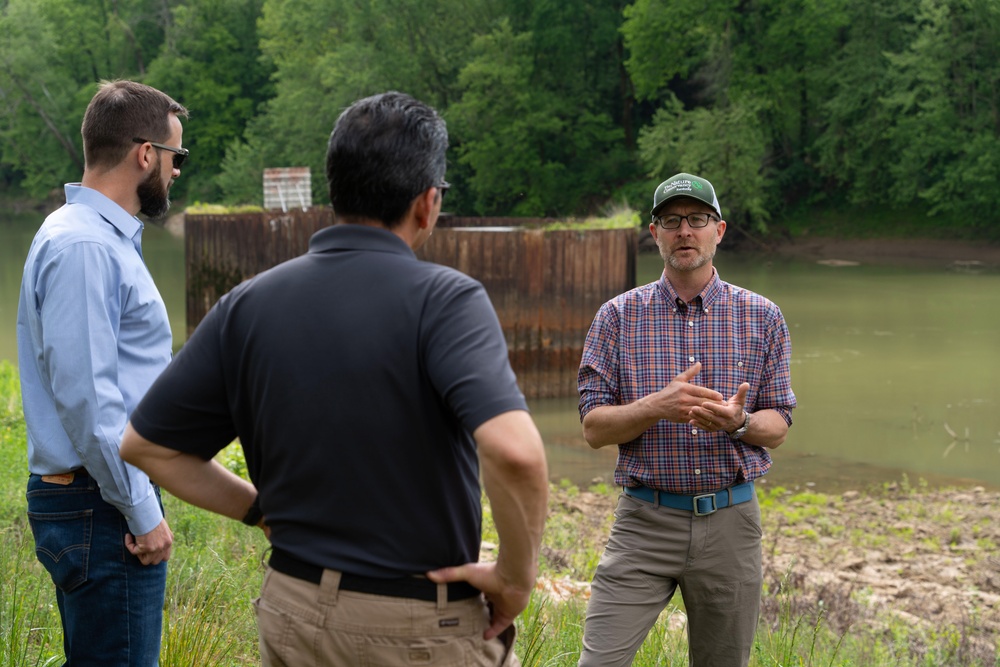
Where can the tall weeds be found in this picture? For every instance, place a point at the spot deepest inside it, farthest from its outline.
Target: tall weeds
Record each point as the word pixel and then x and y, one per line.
pixel 29 626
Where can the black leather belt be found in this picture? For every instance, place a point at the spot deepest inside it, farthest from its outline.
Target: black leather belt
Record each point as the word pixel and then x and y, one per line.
pixel 413 588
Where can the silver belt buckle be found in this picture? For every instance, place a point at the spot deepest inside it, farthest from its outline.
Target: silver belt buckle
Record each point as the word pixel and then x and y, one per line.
pixel 698 512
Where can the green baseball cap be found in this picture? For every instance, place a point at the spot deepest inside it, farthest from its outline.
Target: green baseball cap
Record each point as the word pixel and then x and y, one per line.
pixel 685 185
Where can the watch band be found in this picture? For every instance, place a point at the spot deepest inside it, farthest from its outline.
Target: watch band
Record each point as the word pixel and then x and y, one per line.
pixel 742 430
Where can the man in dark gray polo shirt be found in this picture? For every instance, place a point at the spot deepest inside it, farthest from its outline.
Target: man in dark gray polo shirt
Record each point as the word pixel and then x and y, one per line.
pixel 366 388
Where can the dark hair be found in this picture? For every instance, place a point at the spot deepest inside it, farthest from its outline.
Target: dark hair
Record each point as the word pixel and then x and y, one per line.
pixel 120 112
pixel 384 151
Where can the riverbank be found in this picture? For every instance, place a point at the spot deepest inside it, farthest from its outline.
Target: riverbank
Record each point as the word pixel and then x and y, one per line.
pixel 868 560
pixel 897 251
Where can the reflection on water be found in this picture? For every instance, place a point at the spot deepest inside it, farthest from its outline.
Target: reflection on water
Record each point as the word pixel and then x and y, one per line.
pixel 897 370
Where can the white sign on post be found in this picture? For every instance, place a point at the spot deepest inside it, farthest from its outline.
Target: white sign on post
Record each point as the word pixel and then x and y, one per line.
pixel 287 187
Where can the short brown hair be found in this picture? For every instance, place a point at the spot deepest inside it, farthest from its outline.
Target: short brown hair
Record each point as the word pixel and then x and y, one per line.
pixel 121 111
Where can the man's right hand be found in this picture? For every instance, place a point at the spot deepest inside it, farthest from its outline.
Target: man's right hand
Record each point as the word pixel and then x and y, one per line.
pixel 675 401
pixel 152 548
pixel 506 600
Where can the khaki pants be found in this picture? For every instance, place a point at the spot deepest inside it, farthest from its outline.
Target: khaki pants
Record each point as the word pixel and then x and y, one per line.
pixel 653 550
pixel 307 625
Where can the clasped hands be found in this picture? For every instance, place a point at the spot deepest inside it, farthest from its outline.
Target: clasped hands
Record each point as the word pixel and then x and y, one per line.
pixel 685 403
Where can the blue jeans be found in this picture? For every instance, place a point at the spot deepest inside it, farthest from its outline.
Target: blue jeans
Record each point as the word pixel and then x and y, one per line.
pixel 111 606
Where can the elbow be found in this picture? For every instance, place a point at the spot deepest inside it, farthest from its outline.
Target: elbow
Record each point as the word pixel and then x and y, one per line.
pixel 528 461
pixel 597 437
pixel 525 461
pixel 592 438
pixel 591 434
pixel 128 449
pixel 778 438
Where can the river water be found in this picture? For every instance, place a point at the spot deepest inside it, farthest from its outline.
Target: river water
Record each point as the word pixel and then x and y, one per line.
pixel 896 369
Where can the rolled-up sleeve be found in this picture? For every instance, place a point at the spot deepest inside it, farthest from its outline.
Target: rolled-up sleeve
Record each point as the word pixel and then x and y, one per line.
pixel 597 379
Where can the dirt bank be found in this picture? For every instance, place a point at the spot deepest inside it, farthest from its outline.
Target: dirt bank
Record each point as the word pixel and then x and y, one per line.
pixel 926 558
pixel 956 254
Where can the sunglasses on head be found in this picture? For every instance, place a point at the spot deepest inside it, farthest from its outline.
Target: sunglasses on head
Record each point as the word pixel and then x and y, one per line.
pixel 180 154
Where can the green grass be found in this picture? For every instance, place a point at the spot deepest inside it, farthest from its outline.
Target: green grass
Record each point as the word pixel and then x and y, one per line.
pixel 622 218
pixel 216 570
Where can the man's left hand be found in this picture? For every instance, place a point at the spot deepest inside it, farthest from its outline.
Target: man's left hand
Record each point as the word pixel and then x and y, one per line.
pixel 152 548
pixel 725 416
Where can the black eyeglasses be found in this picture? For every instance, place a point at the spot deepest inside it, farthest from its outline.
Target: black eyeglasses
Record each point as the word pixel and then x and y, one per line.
pixel 695 220
pixel 180 154
pixel 443 187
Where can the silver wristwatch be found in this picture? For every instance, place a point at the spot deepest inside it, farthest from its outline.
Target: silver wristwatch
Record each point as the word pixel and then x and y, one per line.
pixel 742 430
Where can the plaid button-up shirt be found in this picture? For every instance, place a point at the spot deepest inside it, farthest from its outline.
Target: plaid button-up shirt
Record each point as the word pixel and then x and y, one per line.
pixel 640 340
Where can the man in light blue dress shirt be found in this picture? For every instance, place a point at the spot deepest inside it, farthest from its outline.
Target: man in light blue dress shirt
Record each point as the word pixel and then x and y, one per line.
pixel 93 334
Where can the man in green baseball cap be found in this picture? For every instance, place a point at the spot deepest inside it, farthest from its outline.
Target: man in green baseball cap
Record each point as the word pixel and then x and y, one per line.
pixel 689 377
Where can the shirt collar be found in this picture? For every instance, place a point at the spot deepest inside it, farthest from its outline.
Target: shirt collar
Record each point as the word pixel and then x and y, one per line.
pixel 120 219
pixel 708 296
pixel 358 237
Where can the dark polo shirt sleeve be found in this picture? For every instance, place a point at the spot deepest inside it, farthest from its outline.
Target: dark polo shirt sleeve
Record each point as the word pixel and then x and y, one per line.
pixel 466 354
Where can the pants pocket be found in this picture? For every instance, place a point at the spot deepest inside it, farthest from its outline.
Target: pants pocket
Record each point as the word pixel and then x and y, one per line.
pixel 403 652
pixel 62 545
pixel 509 638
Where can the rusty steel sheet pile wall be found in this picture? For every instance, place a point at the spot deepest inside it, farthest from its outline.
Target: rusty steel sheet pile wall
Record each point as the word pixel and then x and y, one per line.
pixel 546 286
pixel 221 251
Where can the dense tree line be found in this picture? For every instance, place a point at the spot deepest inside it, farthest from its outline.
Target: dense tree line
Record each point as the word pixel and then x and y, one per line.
pixel 555 107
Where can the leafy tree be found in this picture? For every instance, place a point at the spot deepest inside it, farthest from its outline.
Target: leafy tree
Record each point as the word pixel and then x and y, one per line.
pixel 52 55
pixel 725 144
pixel 668 41
pixel 748 71
pixel 779 48
pixel 554 106
pixel 211 63
pixel 541 122
pixel 944 99
pixel 500 122
pixel 288 131
pixel 529 150
pixel 106 39
pixel 852 148
pixel 326 55
pixel 39 126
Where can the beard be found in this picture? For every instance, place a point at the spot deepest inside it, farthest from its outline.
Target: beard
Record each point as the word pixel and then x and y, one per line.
pixel 689 264
pixel 154 200
pixel 703 257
